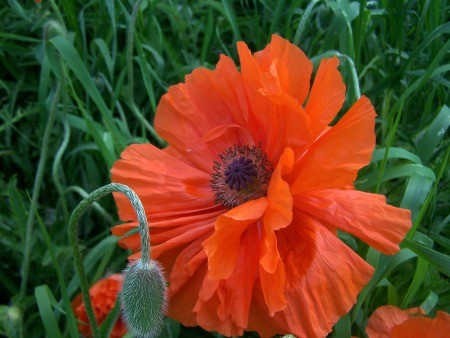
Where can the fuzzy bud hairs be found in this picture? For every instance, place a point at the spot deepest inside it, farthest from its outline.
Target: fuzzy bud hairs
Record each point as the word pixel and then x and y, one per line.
pixel 144 296
pixel 144 291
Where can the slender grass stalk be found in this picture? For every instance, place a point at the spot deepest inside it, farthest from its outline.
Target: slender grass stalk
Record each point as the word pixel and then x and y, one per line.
pixel 73 239
pixel 130 43
pixel 37 189
pixel 430 196
pixel 56 167
pixel 390 141
pixel 130 76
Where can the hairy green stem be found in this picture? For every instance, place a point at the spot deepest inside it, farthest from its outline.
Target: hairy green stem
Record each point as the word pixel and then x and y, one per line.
pixel 84 194
pixel 73 239
pixel 37 189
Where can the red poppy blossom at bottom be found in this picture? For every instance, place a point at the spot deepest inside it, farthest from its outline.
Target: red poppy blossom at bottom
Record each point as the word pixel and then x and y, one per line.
pixel 391 322
pixel 245 203
pixel 103 298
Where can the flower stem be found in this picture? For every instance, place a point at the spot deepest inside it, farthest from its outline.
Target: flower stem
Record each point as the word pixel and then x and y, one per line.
pixel 73 239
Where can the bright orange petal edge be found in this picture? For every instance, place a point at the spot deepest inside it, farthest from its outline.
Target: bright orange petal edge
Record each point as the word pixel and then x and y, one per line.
pixel 391 322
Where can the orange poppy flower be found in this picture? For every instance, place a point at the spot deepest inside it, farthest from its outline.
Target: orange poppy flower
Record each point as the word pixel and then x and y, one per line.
pixel 245 202
pixel 103 298
pixel 391 322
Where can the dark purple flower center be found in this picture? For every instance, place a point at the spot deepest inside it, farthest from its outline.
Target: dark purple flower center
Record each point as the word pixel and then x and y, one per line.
pixel 242 174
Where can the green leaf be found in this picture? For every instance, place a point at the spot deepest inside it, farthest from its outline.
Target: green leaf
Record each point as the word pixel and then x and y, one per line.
pixel 19 213
pixel 404 170
pixel 109 322
pixel 428 139
pixel 430 302
pixel 416 192
pixel 71 320
pixel 395 153
pixel 44 300
pixel 73 60
pixel 343 329
pixel 439 260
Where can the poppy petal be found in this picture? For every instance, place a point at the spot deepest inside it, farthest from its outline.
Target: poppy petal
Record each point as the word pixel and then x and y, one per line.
pixel 230 304
pixel 383 320
pixel 277 122
pixel 364 215
pixel 278 215
pixel 329 285
pixel 208 99
pixel 423 327
pixel 289 67
pixel 334 159
pixel 327 95
pixel 188 261
pixel 182 302
pixel 222 248
pixel 272 286
pixel 390 321
pixel 162 182
pixel 179 202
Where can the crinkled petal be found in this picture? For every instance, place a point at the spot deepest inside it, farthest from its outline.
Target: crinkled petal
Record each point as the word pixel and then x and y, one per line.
pixel 224 304
pixel 272 286
pixel 277 121
pixel 178 201
pixel 222 248
pixel 364 215
pixel 327 95
pixel 278 215
pixel 423 327
pixel 319 288
pixel 182 302
pixel 391 322
pixel 287 68
pixel 383 320
pixel 334 160
pixel 162 182
pixel 208 99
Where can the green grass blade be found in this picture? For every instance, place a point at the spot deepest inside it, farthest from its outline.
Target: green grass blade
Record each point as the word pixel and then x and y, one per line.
pixel 91 261
pixel 430 302
pixel 231 17
pixel 416 193
pixel 44 300
pixel 108 323
pixel 419 277
pixel 395 153
pixel 405 170
pixel 428 139
pixel 343 329
pixel 73 60
pixel 71 321
pixel 439 260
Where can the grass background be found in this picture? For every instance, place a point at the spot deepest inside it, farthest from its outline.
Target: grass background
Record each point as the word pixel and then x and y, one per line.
pixel 80 80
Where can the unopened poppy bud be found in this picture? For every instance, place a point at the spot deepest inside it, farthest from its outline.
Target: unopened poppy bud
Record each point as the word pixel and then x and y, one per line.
pixel 144 296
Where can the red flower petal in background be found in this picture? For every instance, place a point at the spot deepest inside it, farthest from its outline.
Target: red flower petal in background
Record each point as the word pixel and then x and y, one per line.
pixel 391 322
pixel 245 203
pixel 103 298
